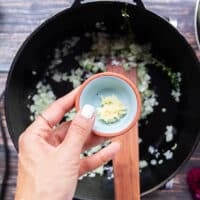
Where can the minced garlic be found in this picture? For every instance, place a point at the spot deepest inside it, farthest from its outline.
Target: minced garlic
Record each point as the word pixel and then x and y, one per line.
pixel 111 109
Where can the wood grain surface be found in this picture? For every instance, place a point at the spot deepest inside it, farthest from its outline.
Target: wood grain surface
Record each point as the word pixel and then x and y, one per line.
pixel 126 162
pixel 18 18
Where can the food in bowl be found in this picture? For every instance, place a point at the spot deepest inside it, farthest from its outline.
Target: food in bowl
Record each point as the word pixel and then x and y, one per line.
pixel 111 109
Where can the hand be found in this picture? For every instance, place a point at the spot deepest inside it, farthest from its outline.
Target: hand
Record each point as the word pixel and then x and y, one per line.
pixel 49 158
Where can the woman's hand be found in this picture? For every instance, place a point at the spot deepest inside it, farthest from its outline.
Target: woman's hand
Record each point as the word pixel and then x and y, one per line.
pixel 49 158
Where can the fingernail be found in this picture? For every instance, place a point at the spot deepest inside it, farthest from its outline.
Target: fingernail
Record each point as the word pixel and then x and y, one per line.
pixel 87 111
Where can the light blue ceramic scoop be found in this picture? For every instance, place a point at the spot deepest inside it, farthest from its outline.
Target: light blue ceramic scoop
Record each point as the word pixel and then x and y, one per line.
pixel 108 84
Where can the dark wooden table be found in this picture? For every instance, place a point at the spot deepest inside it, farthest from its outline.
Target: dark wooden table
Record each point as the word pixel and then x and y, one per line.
pixel 18 18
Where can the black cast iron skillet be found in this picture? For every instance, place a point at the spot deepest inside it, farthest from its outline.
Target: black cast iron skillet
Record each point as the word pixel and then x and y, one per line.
pixel 167 44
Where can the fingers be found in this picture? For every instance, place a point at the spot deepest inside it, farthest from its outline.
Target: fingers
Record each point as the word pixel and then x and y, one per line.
pixel 79 130
pixel 55 112
pixel 60 132
pixel 93 140
pixel 56 136
pixel 100 158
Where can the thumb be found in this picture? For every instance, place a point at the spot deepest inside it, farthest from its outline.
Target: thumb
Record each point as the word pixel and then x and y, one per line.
pixel 79 130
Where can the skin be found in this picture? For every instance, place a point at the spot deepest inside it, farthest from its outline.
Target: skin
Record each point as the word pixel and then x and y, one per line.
pixel 49 161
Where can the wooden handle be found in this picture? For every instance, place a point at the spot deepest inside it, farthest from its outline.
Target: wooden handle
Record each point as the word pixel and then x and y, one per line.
pixel 126 167
pixel 126 162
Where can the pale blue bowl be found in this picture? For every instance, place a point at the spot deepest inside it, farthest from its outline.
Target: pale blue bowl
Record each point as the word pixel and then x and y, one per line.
pixel 107 84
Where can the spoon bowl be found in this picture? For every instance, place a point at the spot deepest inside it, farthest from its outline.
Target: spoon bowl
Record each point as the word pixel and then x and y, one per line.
pixel 110 84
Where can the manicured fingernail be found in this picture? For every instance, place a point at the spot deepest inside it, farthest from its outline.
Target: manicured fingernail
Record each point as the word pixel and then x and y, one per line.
pixel 87 111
